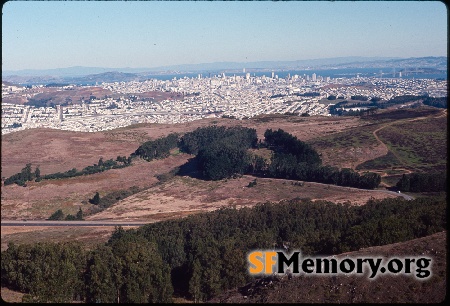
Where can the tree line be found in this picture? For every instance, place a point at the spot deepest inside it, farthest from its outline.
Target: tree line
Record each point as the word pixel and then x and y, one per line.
pixel 26 174
pixel 222 152
pixel 440 102
pixel 203 255
pixel 59 215
pixel 423 182
pixel 157 149
pixel 375 103
pixel 294 159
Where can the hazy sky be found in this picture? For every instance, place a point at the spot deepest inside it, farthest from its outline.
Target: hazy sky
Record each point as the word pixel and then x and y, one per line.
pixel 59 34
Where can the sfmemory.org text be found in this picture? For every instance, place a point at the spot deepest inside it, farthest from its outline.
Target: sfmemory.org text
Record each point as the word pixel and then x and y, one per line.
pixel 270 262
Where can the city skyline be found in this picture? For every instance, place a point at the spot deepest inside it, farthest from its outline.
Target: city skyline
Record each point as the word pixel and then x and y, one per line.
pixel 59 34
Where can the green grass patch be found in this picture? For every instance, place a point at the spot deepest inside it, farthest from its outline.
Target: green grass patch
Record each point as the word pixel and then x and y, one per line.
pixel 420 144
pixel 380 163
pixel 357 137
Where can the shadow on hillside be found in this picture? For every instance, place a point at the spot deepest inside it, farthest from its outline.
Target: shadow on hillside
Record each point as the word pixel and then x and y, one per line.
pixel 190 169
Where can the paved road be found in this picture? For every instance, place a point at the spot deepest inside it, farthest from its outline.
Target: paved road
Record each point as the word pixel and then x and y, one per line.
pixel 71 223
pixel 405 196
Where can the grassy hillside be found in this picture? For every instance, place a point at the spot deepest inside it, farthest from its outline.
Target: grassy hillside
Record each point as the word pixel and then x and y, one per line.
pixel 408 141
pixel 420 145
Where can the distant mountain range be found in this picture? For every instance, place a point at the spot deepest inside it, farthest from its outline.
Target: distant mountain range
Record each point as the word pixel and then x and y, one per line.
pixel 81 74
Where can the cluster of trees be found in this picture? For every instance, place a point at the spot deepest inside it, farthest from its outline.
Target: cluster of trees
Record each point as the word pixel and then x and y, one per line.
pixel 277 96
pixel 203 255
pixel 44 102
pixel 126 271
pixel 342 108
pixel 294 159
pixel 284 166
pixel 157 149
pixel 200 138
pixel 423 182
pixel 339 109
pixel 222 160
pixel 309 94
pixel 405 99
pixel 223 153
pixel 359 97
pixel 25 175
pixel 440 102
pixel 120 162
pixel 59 215
pixel 220 152
pixel 284 143
pixel 56 85
pixel 15 125
pixel 113 197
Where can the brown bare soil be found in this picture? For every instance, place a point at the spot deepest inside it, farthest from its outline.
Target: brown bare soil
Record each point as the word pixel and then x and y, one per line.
pixel 190 195
pixel 357 289
pixel 11 296
pixel 89 236
pixel 38 201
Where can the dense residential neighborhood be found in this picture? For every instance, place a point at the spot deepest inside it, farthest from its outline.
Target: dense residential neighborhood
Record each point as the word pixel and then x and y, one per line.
pixel 221 95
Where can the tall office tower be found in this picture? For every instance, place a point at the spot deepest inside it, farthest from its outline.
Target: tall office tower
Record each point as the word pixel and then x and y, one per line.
pixel 289 76
pixel 273 74
pixel 307 77
pixel 314 77
pixel 247 76
pixel 199 76
pixel 328 79
pixel 223 75
pixel 59 112
pixel 243 70
pixel 400 74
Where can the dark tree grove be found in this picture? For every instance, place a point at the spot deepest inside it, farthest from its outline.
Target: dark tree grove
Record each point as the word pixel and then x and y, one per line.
pixel 222 160
pixel 203 255
pixel 24 176
pixel 193 142
pixel 95 199
pixel 284 142
pixel 220 152
pixel 423 182
pixel 440 102
pixel 159 148
pixel 294 159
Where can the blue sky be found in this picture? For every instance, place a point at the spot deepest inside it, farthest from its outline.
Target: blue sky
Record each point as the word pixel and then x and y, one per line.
pixel 59 34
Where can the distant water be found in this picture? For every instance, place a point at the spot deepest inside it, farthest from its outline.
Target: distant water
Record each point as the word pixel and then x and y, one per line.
pixel 332 73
